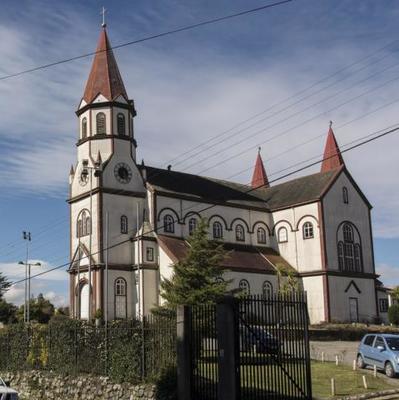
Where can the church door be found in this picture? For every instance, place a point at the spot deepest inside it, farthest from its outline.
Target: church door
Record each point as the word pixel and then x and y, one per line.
pixel 84 302
pixel 353 309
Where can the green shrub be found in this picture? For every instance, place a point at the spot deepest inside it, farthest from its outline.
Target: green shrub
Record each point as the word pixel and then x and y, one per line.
pixel 393 314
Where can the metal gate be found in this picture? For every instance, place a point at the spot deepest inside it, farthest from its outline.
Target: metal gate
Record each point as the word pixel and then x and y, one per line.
pixel 272 361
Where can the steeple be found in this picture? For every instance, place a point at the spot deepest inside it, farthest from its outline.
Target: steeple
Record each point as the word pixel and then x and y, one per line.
pixel 259 177
pixel 104 76
pixel 332 158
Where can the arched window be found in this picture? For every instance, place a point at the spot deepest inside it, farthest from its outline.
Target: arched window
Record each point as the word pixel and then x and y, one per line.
pixel 349 249
pixel 121 124
pixel 120 298
pixel 345 195
pixel 217 230
pixel 240 233
pixel 348 233
pixel 192 225
pixel 261 235
pixel 84 128
pixel 282 235
pixel 101 124
pixel 308 230
pixel 267 289
pixel 244 287
pixel 168 224
pixel 83 225
pixel 124 224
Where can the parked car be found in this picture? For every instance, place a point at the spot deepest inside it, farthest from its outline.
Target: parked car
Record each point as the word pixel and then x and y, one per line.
pixel 258 338
pixel 381 350
pixel 6 393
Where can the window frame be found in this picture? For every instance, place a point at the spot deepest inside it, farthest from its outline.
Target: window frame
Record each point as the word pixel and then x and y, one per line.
pixel 101 126
pixel 124 225
pixel 192 225
pixel 308 230
pixel 83 224
pixel 383 305
pixel 345 195
pixel 240 233
pixel 282 229
pixel 247 288
pixel 259 235
pixel 168 224
pixel 84 128
pixel 269 286
pixel 149 254
pixel 217 230
pixel 121 119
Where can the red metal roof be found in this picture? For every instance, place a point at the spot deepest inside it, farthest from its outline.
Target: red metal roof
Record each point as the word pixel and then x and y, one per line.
pixel 104 76
pixel 259 177
pixel 332 158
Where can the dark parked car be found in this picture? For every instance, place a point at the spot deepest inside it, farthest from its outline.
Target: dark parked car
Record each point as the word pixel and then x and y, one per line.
pixel 381 351
pixel 256 337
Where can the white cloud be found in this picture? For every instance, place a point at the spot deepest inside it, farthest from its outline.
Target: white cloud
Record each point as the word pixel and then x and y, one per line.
pixel 389 274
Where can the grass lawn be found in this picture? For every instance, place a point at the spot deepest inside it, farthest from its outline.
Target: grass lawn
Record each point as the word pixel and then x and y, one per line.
pixel 347 381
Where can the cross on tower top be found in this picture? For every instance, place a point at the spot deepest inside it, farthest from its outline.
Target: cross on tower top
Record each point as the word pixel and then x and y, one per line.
pixel 103 11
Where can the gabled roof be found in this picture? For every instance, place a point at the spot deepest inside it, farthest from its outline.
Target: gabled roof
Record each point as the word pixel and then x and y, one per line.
pixel 332 158
pixel 260 260
pixel 104 76
pixel 259 177
pixel 201 187
pixel 297 191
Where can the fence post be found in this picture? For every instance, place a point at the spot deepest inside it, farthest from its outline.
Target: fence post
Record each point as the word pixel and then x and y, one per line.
pixel 184 362
pixel 227 328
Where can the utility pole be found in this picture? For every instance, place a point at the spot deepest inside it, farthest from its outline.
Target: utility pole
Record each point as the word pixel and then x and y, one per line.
pixel 27 237
pixel 28 267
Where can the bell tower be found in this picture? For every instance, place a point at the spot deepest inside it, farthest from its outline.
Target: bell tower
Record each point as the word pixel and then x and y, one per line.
pixel 107 194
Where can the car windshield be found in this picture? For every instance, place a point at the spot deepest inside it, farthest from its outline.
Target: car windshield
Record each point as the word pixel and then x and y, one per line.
pixel 393 343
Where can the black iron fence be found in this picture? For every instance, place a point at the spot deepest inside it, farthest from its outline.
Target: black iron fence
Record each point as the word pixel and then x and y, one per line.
pixel 250 349
pixel 127 351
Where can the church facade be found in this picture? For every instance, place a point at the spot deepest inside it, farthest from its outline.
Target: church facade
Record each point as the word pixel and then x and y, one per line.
pixel 129 222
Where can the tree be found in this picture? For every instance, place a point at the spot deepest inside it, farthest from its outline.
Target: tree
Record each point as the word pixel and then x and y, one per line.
pixel 393 314
pixel 8 312
pixel 41 310
pixel 288 285
pixel 197 278
pixel 4 285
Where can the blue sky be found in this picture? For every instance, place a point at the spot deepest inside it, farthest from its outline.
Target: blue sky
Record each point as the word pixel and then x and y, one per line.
pixel 189 87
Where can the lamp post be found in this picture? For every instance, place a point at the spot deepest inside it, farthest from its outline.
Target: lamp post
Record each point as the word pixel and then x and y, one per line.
pixel 28 268
pixel 87 172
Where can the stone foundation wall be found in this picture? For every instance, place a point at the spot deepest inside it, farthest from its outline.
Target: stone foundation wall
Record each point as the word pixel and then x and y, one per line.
pixel 40 385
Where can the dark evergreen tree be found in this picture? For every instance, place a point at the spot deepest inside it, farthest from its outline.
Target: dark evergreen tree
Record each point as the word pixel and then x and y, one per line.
pixel 4 285
pixel 8 312
pixel 197 278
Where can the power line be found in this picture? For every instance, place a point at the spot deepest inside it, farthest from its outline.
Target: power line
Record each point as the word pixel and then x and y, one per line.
pixel 354 146
pixel 148 38
pixel 185 153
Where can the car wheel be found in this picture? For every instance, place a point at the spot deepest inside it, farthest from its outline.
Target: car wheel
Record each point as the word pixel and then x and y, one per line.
pixel 360 362
pixel 389 371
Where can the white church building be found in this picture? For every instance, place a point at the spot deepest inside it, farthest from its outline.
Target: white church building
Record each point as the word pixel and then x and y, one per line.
pixel 135 219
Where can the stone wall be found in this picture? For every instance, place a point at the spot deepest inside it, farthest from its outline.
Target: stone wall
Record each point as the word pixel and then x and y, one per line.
pixel 40 385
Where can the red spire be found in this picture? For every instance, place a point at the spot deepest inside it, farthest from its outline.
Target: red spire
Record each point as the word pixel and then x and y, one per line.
pixel 104 76
pixel 259 178
pixel 332 158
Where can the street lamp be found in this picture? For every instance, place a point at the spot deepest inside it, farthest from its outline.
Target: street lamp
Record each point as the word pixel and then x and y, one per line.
pixel 28 266
pixel 86 171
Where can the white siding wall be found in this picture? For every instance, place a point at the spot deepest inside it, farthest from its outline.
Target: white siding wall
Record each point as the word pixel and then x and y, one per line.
pixel 314 289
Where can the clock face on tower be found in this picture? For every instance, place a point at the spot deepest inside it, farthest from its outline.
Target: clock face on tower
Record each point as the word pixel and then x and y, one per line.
pixel 122 173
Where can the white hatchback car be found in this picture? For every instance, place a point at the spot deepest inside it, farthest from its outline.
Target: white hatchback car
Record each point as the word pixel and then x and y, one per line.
pixel 6 393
